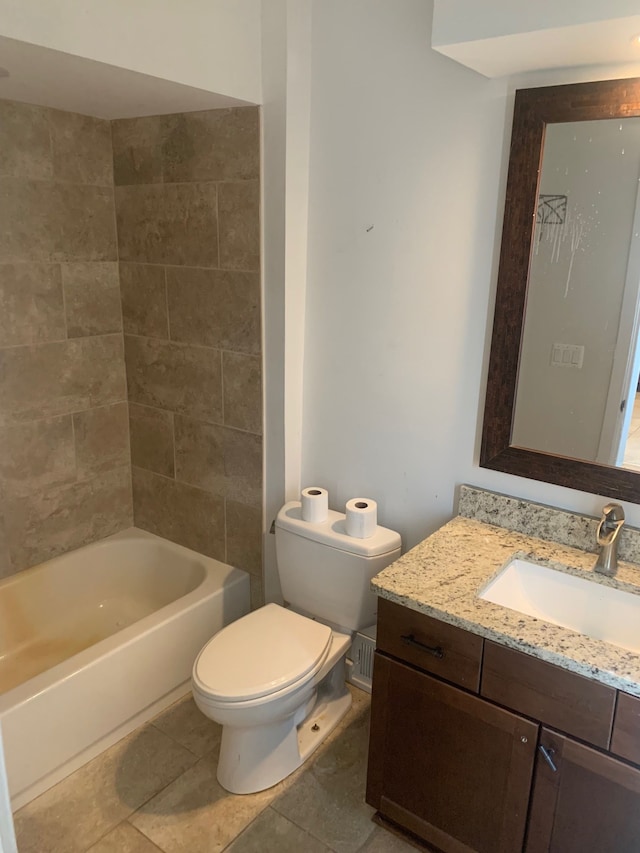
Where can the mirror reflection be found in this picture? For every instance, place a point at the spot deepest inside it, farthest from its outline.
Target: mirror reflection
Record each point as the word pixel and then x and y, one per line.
pixel 580 360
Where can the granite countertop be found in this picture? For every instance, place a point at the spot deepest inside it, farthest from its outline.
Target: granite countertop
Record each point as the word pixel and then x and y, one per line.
pixel 443 575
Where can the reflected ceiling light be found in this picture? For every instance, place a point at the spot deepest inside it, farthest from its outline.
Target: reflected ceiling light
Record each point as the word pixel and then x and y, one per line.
pixel 636 39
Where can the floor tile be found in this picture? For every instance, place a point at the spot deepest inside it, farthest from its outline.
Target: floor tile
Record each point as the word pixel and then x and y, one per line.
pixel 271 831
pixel 328 799
pixel 124 839
pixel 183 722
pixel 77 812
pixel 196 814
pixel 383 841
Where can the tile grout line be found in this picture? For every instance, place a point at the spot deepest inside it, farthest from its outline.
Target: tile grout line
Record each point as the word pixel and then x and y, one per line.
pixel 191 418
pixel 53 417
pixel 255 355
pixel 39 344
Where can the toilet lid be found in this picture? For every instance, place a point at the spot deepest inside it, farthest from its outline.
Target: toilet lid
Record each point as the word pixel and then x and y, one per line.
pixel 263 652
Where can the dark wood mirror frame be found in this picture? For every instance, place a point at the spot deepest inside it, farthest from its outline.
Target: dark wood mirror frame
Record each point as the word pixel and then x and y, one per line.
pixel 534 109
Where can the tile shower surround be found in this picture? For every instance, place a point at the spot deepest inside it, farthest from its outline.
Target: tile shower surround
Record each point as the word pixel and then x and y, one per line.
pixel 65 474
pixel 186 294
pixel 187 206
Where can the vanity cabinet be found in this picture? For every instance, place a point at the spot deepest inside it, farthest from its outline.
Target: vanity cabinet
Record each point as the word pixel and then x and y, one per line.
pixel 442 759
pixel 589 802
pixel 464 743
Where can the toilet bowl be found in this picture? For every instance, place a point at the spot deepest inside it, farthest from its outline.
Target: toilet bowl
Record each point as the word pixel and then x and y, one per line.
pixel 275 682
pixel 275 679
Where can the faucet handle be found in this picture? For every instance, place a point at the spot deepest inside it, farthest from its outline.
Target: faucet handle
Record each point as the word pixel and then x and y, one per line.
pixel 612 513
pixel 610 524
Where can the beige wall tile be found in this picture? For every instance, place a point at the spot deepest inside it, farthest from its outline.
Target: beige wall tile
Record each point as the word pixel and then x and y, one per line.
pixel 43 221
pixel 58 250
pixel 137 150
pixel 6 568
pixel 25 148
pixel 213 145
pixel 144 300
pixel 151 435
pixel 54 379
pixel 214 308
pixel 74 814
pixel 175 377
pixel 239 224
pixel 81 148
pixel 35 456
pixel 168 224
pixel 244 537
pixel 256 587
pixel 242 391
pixel 91 298
pixel 31 304
pixel 60 518
pixel 181 513
pixel 223 461
pixel 101 439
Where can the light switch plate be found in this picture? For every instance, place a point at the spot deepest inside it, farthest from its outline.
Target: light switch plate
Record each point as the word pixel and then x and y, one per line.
pixel 567 355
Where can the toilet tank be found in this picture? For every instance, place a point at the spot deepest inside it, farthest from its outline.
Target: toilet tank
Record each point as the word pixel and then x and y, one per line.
pixel 325 572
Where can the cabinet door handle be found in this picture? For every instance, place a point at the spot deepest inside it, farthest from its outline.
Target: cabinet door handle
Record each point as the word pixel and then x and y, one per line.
pixel 410 640
pixel 548 753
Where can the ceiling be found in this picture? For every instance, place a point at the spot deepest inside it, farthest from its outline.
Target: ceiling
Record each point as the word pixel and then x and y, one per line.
pixel 607 42
pixel 51 78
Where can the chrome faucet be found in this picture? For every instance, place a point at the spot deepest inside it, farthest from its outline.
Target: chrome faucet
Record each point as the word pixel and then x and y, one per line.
pixel 607 537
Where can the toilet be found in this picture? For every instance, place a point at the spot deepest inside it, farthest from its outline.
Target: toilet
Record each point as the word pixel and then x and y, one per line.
pixel 275 679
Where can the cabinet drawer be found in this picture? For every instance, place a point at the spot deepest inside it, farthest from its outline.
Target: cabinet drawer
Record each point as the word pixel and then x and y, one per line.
pixel 564 700
pixel 434 646
pixel 625 740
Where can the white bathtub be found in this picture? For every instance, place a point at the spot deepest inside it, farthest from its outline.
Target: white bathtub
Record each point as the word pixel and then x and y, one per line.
pixel 105 637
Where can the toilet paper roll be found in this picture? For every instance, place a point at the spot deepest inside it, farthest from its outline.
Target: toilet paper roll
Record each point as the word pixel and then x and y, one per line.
pixel 361 517
pixel 315 504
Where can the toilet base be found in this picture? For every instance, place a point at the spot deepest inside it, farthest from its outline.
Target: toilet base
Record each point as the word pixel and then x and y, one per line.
pixel 255 758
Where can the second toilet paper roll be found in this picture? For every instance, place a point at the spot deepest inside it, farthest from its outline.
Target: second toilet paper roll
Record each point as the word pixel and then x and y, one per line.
pixel 315 504
pixel 361 517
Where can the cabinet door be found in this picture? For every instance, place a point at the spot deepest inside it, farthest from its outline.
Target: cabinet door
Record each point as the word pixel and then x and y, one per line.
pixel 589 804
pixel 447 765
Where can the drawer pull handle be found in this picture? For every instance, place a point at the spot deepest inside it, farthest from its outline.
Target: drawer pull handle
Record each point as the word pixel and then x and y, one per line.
pixel 410 640
pixel 547 754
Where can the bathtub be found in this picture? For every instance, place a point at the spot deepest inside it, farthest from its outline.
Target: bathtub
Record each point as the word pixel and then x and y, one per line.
pixel 97 641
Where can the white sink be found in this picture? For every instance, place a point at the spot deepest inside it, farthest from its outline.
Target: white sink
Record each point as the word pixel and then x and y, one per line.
pixel 599 611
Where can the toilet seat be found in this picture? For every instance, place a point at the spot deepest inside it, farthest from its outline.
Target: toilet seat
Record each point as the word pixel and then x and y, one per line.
pixel 271 650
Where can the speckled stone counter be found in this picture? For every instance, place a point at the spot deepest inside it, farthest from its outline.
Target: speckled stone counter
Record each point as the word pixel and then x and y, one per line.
pixel 443 575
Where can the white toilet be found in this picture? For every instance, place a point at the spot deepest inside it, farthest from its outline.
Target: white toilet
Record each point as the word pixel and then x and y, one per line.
pixel 275 678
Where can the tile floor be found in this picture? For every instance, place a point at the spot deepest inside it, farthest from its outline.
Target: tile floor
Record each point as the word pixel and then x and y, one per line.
pixel 156 790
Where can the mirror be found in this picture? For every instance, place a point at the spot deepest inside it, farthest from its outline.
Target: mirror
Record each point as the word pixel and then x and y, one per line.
pixel 564 360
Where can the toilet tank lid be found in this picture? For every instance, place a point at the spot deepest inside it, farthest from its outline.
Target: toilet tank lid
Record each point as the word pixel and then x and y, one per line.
pixel 332 532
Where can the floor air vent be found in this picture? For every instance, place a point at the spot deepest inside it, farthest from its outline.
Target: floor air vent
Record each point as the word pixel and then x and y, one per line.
pixel 360 658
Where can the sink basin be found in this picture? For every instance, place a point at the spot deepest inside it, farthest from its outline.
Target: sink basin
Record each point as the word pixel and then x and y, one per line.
pixel 599 611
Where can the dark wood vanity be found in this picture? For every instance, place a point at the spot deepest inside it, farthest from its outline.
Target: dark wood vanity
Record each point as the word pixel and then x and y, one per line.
pixel 478 748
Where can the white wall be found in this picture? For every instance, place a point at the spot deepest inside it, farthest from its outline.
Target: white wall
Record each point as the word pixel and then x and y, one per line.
pixel 285 175
pixel 408 165
pixel 406 152
pixel 209 44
